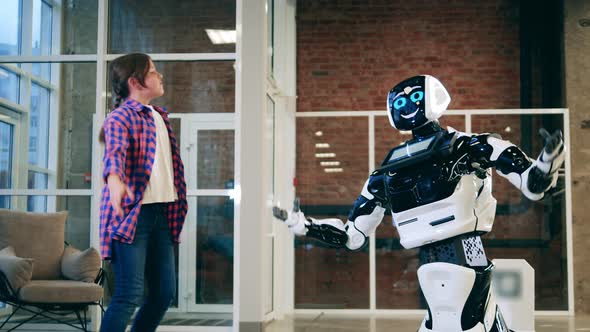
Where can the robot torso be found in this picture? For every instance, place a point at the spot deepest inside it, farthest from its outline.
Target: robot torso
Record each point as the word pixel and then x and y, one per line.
pixel 436 188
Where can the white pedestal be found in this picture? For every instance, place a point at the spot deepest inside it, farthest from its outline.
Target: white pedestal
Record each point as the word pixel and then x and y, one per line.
pixel 513 284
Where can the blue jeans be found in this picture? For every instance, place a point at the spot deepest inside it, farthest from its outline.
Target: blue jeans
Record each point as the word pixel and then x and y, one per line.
pixel 151 255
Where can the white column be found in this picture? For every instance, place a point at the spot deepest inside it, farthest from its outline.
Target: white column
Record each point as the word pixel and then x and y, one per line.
pixel 286 80
pixel 251 172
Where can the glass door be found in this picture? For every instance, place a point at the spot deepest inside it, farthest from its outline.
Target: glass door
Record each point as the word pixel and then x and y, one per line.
pixel 206 262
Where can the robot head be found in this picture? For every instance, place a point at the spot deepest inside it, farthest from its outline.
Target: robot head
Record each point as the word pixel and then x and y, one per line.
pixel 416 101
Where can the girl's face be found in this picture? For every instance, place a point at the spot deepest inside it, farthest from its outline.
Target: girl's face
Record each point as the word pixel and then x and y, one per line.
pixel 154 83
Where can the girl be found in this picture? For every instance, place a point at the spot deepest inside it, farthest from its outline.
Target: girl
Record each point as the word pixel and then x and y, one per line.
pixel 143 203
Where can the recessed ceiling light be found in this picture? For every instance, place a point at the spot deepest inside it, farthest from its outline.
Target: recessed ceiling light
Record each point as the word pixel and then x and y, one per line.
pixel 221 36
pixel 325 155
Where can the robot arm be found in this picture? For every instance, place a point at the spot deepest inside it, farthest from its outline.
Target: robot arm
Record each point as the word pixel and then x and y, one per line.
pixel 364 218
pixel 366 214
pixel 532 177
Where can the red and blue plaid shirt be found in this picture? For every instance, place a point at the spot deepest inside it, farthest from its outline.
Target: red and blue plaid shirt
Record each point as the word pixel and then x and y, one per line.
pixel 130 148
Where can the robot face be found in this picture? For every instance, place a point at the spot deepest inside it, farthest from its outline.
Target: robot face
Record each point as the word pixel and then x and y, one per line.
pixel 416 101
pixel 405 103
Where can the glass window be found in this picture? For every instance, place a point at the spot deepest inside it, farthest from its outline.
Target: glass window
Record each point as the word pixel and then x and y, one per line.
pixel 270 37
pixel 41 42
pixel 37 181
pixel 332 167
pixel 77 94
pixel 215 250
pixel 72 144
pixel 79 27
pixel 6 147
pixel 523 229
pixel 9 85
pixel 173 26
pixel 10 25
pixel 78 223
pixel 39 126
pixel 215 159
pixel 196 87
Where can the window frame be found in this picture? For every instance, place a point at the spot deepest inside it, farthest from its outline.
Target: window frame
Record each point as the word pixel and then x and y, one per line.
pixel 20 111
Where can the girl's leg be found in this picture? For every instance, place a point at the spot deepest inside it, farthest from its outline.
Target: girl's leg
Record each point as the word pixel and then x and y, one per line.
pixel 160 277
pixel 128 263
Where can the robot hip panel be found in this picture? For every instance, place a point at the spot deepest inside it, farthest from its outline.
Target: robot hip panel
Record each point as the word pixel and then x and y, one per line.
pixel 452 216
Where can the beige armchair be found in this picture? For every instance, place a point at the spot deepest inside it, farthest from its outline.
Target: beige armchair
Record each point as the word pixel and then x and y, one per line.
pixel 41 274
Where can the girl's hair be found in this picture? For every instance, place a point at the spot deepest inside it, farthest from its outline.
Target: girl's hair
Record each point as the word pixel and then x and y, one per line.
pixel 135 65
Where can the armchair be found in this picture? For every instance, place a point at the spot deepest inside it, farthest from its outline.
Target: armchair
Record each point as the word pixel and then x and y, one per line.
pixel 41 274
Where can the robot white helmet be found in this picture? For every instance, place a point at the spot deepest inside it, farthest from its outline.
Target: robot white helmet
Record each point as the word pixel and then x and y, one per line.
pixel 416 101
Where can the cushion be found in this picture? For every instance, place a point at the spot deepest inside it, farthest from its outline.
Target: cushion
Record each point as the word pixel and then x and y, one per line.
pixel 39 236
pixel 80 265
pixel 60 291
pixel 17 270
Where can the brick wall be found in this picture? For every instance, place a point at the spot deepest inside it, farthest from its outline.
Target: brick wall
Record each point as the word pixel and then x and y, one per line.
pixel 349 54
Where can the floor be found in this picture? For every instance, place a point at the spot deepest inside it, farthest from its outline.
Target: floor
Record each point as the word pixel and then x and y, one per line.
pixel 324 323
pixel 339 323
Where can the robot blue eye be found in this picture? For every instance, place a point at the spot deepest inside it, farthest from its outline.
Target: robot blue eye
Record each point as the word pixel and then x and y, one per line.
pixel 399 103
pixel 417 96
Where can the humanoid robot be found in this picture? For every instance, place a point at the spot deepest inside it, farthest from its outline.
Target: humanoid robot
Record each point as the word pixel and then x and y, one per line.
pixel 438 188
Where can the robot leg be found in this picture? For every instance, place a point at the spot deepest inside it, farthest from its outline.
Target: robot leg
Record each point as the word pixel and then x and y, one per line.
pixel 459 299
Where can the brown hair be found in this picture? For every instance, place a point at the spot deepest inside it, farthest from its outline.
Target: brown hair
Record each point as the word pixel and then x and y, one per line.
pixel 135 65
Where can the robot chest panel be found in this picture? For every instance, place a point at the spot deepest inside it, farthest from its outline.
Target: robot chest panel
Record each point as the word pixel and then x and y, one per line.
pixel 418 185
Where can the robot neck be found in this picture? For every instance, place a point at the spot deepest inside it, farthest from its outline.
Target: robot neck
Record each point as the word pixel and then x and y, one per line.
pixel 427 129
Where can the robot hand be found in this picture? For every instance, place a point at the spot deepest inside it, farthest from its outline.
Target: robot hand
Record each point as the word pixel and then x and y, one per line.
pixel 544 174
pixel 553 153
pixel 329 231
pixel 294 219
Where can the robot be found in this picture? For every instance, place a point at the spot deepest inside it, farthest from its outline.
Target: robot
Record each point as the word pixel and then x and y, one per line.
pixel 438 188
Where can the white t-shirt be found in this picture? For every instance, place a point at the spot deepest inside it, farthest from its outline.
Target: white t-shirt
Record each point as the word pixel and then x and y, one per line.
pixel 160 188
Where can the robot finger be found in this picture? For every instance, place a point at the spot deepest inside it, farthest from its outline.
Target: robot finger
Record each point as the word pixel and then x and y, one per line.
pixel 280 213
pixel 296 204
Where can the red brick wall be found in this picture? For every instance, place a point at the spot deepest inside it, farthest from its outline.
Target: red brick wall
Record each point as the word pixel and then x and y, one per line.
pixel 350 53
pixel 348 138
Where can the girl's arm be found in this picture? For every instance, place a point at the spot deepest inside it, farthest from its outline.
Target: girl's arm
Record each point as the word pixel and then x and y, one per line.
pixel 116 143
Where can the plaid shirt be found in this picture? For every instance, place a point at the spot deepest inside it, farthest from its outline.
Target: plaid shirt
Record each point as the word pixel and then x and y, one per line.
pixel 130 148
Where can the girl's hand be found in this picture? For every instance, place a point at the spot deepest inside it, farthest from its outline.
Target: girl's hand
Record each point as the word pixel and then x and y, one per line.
pixel 118 190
